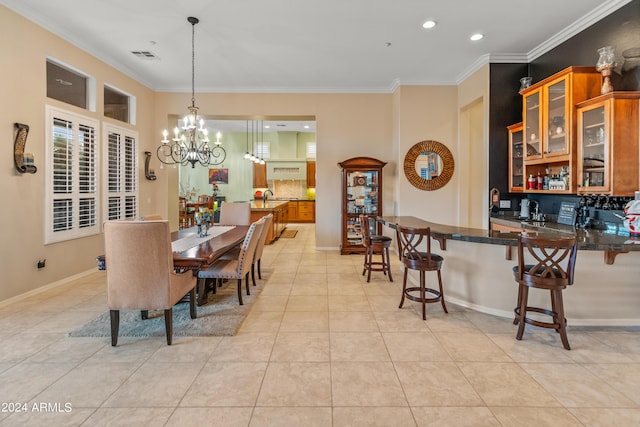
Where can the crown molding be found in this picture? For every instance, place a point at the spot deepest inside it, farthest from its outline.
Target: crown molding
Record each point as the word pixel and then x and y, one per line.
pixel 581 24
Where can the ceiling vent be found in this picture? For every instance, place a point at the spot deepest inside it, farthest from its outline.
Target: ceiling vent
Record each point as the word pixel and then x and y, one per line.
pixel 145 54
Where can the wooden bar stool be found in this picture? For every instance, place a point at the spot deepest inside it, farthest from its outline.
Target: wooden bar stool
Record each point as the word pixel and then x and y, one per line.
pixel 409 239
pixel 544 262
pixel 375 244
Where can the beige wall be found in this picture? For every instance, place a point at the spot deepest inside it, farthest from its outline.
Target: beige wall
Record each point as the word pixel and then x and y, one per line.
pixel 383 126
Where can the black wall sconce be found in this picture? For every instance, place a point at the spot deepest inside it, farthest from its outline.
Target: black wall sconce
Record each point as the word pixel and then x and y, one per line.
pixel 148 173
pixel 22 161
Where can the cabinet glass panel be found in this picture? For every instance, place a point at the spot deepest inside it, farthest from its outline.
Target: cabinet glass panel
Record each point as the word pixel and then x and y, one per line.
pixel 556 107
pixel 532 132
pixel 362 192
pixel 516 160
pixel 594 147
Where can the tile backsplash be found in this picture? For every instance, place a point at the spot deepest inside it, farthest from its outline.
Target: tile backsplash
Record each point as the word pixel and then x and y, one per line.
pixel 289 188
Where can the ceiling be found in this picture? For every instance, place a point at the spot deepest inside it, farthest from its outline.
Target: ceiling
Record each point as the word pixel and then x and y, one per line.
pixel 322 46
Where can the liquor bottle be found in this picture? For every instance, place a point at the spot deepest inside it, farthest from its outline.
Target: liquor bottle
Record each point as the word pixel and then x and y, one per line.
pixel 531 182
pixel 539 181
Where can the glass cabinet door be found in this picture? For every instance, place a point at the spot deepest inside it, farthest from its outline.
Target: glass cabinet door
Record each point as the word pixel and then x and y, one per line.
pixel 362 198
pixel 593 144
pixel 555 131
pixel 533 119
pixel 516 182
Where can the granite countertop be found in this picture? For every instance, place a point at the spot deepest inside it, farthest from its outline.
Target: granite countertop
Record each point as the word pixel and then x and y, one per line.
pixel 259 205
pixel 614 238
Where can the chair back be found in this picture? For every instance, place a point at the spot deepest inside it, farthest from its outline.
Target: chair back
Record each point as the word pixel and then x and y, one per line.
pixel 366 231
pixel 235 213
pixel 140 262
pixel 268 219
pixel 248 248
pixel 546 261
pixel 152 217
pixel 412 256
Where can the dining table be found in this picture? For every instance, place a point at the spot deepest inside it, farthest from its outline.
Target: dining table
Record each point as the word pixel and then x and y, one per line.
pixel 203 252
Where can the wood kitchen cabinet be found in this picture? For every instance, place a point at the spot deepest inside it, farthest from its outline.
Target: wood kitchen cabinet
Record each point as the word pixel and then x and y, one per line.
pixel 361 194
pixel 280 211
pixel 516 182
pixel 302 211
pixel 311 174
pixel 608 153
pixel 259 175
pixel 550 123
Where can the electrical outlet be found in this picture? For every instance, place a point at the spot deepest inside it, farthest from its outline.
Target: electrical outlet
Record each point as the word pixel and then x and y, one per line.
pixel 505 204
pixel 41 263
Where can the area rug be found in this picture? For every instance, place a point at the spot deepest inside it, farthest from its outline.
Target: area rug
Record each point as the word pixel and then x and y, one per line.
pixel 221 316
pixel 289 234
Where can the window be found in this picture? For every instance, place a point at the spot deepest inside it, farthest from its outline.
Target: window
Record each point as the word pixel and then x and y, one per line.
pixel 311 150
pixel 71 176
pixel 121 172
pixel 119 105
pixel 262 150
pixel 68 85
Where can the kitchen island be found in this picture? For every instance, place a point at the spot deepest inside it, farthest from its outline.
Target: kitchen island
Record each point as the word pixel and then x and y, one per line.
pixel 477 271
pixel 279 209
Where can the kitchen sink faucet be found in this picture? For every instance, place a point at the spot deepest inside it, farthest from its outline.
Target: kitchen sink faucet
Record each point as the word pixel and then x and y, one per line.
pixel 264 195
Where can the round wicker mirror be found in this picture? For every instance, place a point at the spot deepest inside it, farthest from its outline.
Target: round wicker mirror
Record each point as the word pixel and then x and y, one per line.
pixel 428 165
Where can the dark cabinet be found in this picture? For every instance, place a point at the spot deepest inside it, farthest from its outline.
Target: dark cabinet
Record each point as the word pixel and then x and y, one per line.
pixel 361 194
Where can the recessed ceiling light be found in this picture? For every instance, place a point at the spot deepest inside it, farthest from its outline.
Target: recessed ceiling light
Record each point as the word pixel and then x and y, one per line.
pixel 306 126
pixel 476 37
pixel 429 24
pixel 267 126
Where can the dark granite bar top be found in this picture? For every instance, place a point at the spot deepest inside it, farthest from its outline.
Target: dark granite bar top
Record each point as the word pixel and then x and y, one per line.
pixel 615 238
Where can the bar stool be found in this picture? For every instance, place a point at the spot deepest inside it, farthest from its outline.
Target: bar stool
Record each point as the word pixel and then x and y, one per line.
pixel 408 241
pixel 544 262
pixel 375 244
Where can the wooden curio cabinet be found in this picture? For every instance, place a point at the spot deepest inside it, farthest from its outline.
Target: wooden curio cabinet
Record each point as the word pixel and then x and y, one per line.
pixel 516 181
pixel 608 127
pixel 361 194
pixel 549 124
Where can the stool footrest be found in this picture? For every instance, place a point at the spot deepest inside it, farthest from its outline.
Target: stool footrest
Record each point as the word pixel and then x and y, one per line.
pixel 539 323
pixel 437 298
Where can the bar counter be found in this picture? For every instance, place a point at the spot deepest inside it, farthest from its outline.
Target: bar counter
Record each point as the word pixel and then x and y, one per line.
pixel 477 270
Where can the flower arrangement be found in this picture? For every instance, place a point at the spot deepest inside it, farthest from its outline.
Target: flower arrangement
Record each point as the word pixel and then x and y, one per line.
pixel 215 189
pixel 203 218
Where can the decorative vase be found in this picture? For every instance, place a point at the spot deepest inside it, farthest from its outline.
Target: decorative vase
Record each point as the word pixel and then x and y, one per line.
pixel 606 63
pixel 630 69
pixel 525 82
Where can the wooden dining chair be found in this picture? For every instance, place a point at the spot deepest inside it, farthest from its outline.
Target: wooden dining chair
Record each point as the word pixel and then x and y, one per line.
pixel 237 268
pixel 141 274
pixel 186 218
pixel 544 262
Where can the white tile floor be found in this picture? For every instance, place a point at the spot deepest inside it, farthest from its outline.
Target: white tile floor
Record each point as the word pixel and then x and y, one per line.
pixel 319 347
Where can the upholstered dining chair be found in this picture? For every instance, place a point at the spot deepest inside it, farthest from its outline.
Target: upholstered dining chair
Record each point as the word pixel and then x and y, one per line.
pixel 152 217
pixel 235 213
pixel 238 267
pixel 268 219
pixel 414 246
pixel 544 262
pixel 140 275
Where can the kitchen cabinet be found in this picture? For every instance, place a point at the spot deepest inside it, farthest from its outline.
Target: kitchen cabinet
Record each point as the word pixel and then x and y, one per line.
pixel 549 124
pixel 279 209
pixel 608 154
pixel 516 182
pixel 301 211
pixel 259 175
pixel 361 194
pixel 311 174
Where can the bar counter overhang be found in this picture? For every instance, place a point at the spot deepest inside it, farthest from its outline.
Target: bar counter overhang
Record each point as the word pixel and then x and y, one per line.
pixel 477 275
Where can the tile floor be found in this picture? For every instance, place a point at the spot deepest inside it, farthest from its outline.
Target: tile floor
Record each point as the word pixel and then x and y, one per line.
pixel 320 347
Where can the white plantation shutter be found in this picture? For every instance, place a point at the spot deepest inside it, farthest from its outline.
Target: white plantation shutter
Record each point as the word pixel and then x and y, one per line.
pixel 71 176
pixel 121 187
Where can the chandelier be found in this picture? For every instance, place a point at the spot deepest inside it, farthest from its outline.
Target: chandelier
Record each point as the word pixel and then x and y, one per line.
pixel 190 142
